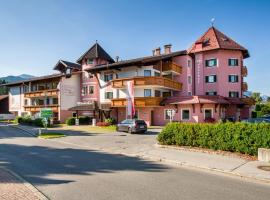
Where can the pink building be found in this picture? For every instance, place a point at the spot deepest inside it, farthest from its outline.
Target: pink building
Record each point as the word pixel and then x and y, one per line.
pixel 203 83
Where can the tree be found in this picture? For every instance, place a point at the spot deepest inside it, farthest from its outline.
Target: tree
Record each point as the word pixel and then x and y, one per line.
pixel 3 89
pixel 257 97
pixel 268 99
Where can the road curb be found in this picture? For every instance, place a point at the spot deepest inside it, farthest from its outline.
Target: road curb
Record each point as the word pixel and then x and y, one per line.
pixel 32 188
pixel 177 163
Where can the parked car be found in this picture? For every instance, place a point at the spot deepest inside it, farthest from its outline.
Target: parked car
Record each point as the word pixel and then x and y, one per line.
pixel 256 120
pixel 266 117
pixel 132 126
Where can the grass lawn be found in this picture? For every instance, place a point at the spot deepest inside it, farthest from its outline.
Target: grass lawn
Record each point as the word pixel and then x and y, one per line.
pixel 51 135
pixel 91 129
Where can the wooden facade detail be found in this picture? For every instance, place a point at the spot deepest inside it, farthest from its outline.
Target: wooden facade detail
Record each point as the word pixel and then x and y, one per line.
pixel 171 67
pixel 244 86
pixel 42 93
pixel 37 108
pixel 150 80
pixel 138 101
pixel 244 71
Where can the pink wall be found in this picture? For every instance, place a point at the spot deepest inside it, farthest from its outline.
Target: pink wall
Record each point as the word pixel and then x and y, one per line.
pixel 223 70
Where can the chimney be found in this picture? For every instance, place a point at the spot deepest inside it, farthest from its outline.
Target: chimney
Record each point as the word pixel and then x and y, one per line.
pixel 167 48
pixel 117 58
pixel 157 51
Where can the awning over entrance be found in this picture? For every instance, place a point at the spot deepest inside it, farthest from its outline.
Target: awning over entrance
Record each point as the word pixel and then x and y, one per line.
pixel 84 107
pixel 203 99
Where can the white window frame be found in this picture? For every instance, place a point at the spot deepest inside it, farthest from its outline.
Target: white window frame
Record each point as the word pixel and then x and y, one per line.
pixel 233 75
pixel 211 91
pixel 89 89
pixel 211 59
pixel 212 112
pixel 208 78
pixel 234 59
pixel 189 76
pixel 235 92
pixel 183 109
pixel 105 97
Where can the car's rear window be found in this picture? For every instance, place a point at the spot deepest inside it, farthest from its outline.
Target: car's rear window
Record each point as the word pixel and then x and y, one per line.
pixel 140 122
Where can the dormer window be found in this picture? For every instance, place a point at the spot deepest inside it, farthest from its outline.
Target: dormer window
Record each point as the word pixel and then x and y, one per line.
pixel 90 61
pixel 108 77
pixel 68 72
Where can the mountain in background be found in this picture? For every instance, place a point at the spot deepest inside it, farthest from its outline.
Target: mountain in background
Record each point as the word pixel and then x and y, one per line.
pixel 21 77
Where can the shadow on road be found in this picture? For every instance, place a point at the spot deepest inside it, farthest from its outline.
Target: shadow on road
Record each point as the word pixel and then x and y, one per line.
pixel 37 163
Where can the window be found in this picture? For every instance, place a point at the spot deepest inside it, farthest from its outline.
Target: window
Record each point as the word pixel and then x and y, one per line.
pixel 147 72
pixel 185 114
pixel 26 102
pixel 157 93
pixel 211 63
pixel 47 101
pixel 147 93
pixel 233 94
pixel 233 62
pixel 168 114
pixel 91 89
pixel 189 93
pixel 233 78
pixel 84 90
pixel 166 94
pixel 108 77
pixel 208 113
pixel 108 95
pixel 157 74
pixel 189 63
pixel 211 79
pixel 55 101
pixel 189 80
pixel 74 114
pixel 211 93
pixel 90 61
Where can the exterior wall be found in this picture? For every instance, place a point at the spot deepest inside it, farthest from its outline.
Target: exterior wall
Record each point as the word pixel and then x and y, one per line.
pixel 69 95
pixel 222 70
pixel 16 102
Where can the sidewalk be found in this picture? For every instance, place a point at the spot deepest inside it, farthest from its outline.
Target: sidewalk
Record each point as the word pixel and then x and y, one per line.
pixel 13 187
pixel 147 147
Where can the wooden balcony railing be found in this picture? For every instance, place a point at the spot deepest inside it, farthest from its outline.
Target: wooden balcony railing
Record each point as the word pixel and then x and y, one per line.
pixel 41 93
pixel 147 81
pixel 244 71
pixel 138 101
pixel 244 86
pixel 171 67
pixel 37 108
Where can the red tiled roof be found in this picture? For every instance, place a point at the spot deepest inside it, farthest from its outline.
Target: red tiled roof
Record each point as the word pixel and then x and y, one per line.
pixel 214 39
pixel 203 99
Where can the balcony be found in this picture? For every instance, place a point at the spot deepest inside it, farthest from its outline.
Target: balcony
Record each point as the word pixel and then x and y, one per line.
pixel 138 101
pixel 37 108
pixel 41 93
pixel 244 71
pixel 244 86
pixel 171 67
pixel 148 81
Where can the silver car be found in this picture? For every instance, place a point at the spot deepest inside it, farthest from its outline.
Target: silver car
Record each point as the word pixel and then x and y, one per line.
pixel 132 126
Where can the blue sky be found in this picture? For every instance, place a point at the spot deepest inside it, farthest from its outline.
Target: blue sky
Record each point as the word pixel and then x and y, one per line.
pixel 35 34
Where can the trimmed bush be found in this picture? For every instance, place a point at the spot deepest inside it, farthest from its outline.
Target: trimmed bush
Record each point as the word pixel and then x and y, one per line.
pixel 110 121
pixel 103 124
pixel 235 137
pixel 18 120
pixel 70 121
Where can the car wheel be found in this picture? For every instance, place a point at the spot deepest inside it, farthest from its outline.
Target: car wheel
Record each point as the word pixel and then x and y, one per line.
pixel 129 130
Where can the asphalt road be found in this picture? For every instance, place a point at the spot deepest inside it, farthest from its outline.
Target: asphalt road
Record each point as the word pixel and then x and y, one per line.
pixel 63 171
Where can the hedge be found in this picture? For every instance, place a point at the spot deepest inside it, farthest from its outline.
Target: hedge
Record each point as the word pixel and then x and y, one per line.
pixel 235 137
pixel 31 122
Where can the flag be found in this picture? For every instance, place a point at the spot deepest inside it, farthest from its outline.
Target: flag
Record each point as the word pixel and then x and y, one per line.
pixel 130 99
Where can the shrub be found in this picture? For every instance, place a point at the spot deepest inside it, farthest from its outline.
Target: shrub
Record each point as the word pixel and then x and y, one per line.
pixel 103 124
pixel 110 120
pixel 70 121
pixel 18 120
pixel 39 122
pixel 236 137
